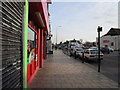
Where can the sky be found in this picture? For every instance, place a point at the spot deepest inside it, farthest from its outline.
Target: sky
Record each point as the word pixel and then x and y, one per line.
pixel 79 20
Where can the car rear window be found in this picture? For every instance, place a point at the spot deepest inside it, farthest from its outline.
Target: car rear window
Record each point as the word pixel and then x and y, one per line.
pixel 81 50
pixel 94 52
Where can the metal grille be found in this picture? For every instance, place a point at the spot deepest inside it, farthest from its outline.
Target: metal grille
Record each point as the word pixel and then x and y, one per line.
pixel 0 46
pixel 12 64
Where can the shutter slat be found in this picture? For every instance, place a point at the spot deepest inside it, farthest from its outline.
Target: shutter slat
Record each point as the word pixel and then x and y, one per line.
pixel 11 37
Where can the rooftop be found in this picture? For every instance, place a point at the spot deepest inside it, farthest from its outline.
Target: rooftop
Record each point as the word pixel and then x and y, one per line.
pixel 113 32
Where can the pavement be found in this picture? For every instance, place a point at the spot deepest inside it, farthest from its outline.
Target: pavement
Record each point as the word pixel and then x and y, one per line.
pixel 62 71
pixel 109 65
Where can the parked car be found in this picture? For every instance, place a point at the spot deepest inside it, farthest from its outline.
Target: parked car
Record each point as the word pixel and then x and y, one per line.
pixel 110 49
pixel 92 54
pixel 96 48
pixel 79 52
pixel 105 50
pixel 73 50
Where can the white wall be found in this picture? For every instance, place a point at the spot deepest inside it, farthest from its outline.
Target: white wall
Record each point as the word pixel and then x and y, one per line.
pixel 114 39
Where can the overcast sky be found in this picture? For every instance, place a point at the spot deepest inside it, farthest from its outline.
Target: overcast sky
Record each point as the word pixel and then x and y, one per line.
pixel 79 20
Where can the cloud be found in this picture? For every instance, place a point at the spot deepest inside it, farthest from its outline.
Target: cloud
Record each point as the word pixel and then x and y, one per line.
pixel 85 0
pixel 80 20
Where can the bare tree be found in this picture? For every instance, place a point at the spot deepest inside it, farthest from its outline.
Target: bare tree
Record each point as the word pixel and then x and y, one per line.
pixel 81 40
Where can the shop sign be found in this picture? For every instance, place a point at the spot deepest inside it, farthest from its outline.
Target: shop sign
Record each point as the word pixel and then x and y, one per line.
pixel 106 41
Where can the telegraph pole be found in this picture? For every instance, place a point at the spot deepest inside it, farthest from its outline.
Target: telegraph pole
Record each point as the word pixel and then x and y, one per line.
pixel 99 29
pixel 56 36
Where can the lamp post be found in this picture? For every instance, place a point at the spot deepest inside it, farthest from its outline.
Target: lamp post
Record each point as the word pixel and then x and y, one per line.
pixel 57 34
pixel 99 29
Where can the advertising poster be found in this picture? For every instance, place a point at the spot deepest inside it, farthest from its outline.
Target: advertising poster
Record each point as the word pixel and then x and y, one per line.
pixel 31 45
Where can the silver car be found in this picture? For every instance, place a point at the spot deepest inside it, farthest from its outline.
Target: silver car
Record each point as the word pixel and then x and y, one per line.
pixel 79 52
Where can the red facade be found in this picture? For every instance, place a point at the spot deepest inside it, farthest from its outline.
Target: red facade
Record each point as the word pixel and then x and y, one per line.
pixel 39 24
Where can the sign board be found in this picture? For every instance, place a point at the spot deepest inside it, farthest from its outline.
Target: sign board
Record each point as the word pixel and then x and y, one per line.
pixel 106 41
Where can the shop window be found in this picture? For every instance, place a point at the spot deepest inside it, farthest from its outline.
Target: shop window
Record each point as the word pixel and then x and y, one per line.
pixel 31 45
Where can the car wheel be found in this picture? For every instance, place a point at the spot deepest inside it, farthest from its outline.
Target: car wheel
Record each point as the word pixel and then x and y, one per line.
pixel 101 59
pixel 75 55
pixel 79 57
pixel 86 59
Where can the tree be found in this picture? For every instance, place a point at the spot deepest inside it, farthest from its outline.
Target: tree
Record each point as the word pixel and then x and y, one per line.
pixel 81 40
pixel 60 43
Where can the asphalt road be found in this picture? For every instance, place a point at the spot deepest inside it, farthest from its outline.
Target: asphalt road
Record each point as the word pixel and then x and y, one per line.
pixel 109 65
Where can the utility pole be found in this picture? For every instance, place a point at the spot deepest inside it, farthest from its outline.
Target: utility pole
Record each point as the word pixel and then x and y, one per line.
pixel 99 29
pixel 57 34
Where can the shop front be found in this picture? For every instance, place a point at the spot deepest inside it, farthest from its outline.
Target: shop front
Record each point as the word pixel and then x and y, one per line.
pixel 38 28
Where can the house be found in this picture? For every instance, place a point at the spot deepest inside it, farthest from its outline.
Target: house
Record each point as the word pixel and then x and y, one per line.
pixel 111 39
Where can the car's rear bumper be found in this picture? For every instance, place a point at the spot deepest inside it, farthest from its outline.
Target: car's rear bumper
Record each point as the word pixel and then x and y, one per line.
pixel 94 58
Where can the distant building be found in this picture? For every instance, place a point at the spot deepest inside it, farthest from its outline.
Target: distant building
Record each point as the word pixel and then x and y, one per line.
pixel 49 49
pixel 90 44
pixel 111 39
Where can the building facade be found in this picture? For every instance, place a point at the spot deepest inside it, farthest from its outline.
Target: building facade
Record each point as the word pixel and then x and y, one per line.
pixel 111 39
pixel 24 28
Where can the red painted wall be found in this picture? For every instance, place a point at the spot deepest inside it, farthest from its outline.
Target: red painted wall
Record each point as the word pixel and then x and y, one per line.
pixel 44 47
pixel 45 11
pixel 39 48
pixel 40 7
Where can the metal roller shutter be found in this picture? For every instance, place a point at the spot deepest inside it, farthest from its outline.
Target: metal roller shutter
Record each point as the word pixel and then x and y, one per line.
pixel 0 46
pixel 12 64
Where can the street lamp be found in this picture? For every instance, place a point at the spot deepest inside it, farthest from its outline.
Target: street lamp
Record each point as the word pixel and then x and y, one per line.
pixel 99 29
pixel 57 34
